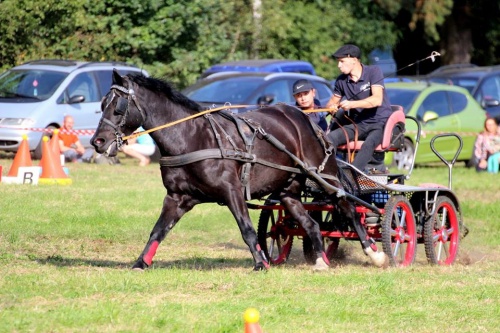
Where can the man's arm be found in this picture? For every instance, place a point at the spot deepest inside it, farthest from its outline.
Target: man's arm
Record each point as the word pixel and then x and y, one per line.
pixel 333 103
pixel 79 147
pixel 62 147
pixel 372 101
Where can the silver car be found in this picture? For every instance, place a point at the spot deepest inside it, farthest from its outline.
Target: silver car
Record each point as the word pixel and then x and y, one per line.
pixel 35 97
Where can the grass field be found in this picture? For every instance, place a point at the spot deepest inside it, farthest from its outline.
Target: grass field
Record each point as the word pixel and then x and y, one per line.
pixel 66 253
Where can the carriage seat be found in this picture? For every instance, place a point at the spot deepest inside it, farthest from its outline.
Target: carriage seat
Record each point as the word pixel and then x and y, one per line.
pixel 393 138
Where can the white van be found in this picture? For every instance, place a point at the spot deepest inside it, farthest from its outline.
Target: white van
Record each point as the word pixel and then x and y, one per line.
pixel 35 97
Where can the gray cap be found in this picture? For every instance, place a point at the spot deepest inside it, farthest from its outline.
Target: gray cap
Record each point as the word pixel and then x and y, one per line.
pixel 347 51
pixel 302 85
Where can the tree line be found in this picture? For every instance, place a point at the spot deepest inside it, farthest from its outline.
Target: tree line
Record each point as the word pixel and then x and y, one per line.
pixel 178 39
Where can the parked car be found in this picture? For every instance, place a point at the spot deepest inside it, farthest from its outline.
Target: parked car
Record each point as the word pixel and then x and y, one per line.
pixel 439 108
pixel 383 57
pixel 482 82
pixel 253 89
pixel 262 65
pixel 38 94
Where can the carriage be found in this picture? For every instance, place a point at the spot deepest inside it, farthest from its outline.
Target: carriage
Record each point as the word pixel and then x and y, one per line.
pixel 275 152
pixel 397 215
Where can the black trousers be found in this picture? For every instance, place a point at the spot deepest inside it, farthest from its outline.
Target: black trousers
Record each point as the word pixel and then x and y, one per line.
pixel 371 134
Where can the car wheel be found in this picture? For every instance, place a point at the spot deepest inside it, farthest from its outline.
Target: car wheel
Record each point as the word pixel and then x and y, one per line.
pixel 403 159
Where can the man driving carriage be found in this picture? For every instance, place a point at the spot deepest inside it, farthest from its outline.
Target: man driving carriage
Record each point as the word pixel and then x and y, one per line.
pixel 360 92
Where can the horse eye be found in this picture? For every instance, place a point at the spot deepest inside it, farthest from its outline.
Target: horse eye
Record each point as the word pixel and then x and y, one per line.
pixel 121 106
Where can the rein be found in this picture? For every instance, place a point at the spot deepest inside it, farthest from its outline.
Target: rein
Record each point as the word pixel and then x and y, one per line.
pixel 137 134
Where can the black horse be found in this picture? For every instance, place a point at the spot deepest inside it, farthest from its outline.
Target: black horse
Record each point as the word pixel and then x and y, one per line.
pixel 222 158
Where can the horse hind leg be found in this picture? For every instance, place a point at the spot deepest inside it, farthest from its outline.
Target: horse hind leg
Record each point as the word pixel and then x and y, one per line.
pixel 173 210
pixel 237 205
pixel 299 213
pixel 378 258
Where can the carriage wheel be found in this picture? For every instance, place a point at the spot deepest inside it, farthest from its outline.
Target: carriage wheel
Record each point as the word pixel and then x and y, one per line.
pixel 272 237
pixel 399 233
pixel 330 245
pixel 442 233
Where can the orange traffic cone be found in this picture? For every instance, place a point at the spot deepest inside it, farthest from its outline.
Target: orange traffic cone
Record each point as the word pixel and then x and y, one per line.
pixel 52 171
pixel 54 142
pixel 22 158
pixel 54 145
pixel 251 317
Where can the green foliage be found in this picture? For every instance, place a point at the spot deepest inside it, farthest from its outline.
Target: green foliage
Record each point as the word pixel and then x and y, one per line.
pixel 35 29
pixel 180 39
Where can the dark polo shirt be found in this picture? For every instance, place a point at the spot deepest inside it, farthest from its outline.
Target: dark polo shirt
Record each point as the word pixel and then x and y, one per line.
pixel 354 91
pixel 317 117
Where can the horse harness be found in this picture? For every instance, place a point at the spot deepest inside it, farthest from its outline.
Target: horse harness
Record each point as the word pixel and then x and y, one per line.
pixel 248 130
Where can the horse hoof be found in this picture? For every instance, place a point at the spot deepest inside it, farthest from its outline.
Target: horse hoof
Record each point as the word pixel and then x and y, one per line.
pixel 379 259
pixel 137 269
pixel 320 265
pixel 259 268
pixel 139 266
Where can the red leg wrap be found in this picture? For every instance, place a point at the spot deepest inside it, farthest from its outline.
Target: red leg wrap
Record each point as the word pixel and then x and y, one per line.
pixel 326 259
pixel 148 257
pixel 265 260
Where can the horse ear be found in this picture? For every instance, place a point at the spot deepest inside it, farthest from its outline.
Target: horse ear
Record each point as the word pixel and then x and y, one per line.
pixel 117 78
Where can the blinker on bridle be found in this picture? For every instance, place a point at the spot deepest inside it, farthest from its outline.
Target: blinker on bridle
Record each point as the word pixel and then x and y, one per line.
pixel 122 109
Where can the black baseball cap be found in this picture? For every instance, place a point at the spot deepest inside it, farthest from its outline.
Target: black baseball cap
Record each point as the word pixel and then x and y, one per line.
pixel 302 85
pixel 347 51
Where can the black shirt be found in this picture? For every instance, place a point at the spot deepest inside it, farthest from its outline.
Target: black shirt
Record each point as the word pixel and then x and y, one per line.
pixel 355 91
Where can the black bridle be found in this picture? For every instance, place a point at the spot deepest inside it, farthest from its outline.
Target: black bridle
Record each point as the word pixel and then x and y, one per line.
pixel 122 109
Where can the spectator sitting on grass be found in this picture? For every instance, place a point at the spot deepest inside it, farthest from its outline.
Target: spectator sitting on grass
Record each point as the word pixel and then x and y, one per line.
pixel 69 144
pixel 141 148
pixel 487 147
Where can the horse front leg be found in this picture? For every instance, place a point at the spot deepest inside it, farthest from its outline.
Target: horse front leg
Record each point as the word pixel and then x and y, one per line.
pixel 378 258
pixel 174 207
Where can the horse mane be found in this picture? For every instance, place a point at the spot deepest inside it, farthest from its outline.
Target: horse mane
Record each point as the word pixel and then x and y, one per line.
pixel 164 88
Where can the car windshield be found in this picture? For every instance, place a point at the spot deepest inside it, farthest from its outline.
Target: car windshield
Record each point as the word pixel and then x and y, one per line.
pixel 468 83
pixel 234 90
pixel 402 97
pixel 30 84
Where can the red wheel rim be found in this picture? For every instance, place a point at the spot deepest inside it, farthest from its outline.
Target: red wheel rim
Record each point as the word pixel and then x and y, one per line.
pixel 446 234
pixel 281 243
pixel 403 235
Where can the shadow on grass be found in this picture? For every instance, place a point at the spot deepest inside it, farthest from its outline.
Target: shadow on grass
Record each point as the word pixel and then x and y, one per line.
pixel 193 263
pixel 346 255
pixel 61 261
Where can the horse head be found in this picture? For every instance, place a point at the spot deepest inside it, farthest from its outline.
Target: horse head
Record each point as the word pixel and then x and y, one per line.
pixel 121 115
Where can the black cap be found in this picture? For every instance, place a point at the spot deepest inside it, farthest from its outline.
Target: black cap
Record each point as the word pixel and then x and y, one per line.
pixel 348 50
pixel 302 85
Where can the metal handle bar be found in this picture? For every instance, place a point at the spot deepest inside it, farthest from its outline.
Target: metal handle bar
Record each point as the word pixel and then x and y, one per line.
pixel 452 162
pixel 441 156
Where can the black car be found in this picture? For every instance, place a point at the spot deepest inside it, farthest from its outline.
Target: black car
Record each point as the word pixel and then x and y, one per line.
pixel 253 89
pixel 482 82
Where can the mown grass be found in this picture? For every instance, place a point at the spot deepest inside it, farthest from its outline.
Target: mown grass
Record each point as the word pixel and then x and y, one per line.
pixel 66 253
